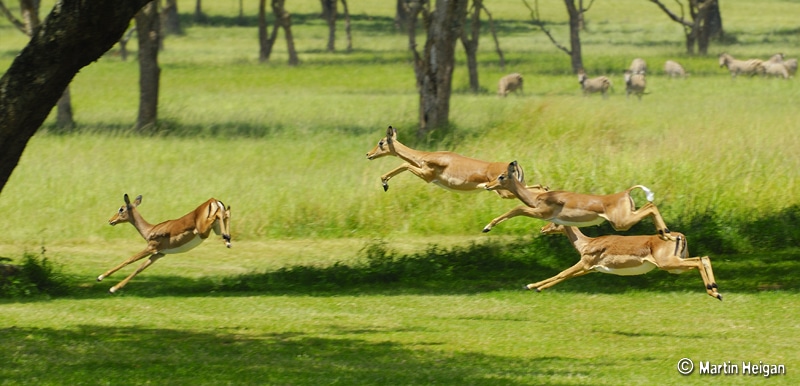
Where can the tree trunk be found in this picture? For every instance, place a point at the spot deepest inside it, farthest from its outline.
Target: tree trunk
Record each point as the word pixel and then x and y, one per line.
pixel 284 20
pixel 199 16
pixel 74 35
pixel 264 46
pixel 64 120
pixel 434 69
pixel 705 23
pixel 574 36
pixel 470 43
pixel 147 29
pixel 347 26
pixel 329 14
pixel 403 15
pixel 170 18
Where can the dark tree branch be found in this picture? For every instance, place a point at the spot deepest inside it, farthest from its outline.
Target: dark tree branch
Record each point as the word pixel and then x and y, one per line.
pixel 74 34
pixel 539 23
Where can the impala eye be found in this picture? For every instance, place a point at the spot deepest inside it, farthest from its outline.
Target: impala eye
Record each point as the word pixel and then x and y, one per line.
pixel 380 144
pixel 121 210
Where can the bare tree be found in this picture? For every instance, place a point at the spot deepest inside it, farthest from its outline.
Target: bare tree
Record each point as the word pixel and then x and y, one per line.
pixel 576 18
pixel 74 34
pixel 704 22
pixel 434 67
pixel 148 31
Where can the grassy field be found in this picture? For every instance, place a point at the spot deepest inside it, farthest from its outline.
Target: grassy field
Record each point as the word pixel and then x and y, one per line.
pixel 299 300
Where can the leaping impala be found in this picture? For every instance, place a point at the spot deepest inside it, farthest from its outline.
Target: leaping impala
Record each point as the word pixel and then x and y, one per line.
pixel 575 209
pixel 445 169
pixel 171 236
pixel 628 256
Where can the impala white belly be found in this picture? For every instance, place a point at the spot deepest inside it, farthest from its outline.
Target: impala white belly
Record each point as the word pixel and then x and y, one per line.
pixel 185 247
pixel 629 271
pixel 597 221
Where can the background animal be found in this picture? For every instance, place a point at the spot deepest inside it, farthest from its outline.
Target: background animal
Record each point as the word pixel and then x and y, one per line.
pixel 599 84
pixel 510 83
pixel 635 84
pixel 638 66
pixel 748 67
pixel 674 69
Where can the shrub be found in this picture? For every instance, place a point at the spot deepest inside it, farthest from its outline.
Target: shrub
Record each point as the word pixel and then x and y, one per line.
pixel 34 275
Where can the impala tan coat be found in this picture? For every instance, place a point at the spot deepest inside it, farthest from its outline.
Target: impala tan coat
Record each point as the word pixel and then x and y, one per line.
pixel 443 168
pixel 171 236
pixel 627 256
pixel 575 209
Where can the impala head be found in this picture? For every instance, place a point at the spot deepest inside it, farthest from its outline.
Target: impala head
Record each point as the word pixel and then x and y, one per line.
pixel 385 145
pixel 226 224
pixel 124 212
pixel 506 180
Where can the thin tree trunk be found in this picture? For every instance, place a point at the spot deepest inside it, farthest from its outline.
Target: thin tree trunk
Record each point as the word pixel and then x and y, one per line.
pixel 347 26
pixel 329 14
pixel 576 56
pixel 147 28
pixel 470 42
pixel 64 120
pixel 171 19
pixel 199 16
pixel 264 44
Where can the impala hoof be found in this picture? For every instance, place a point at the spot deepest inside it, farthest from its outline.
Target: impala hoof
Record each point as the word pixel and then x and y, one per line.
pixel 112 290
pixel 719 296
pixel 486 230
pixel 385 187
pixel 100 278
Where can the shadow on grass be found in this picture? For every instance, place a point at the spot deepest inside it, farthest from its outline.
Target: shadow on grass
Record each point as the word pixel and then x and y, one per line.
pixel 478 267
pixel 106 355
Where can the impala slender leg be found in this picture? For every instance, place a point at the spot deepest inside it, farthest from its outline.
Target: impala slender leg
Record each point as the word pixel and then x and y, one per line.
pixel 141 268
pixel 147 252
pixel 522 210
pixel 386 177
pixel 574 271
pixel 623 222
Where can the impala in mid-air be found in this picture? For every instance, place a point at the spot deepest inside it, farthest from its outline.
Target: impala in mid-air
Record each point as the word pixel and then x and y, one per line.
pixel 443 168
pixel 628 256
pixel 575 209
pixel 171 236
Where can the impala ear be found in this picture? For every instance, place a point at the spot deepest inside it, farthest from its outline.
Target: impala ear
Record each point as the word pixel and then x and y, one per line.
pixel 391 134
pixel 512 167
pixel 138 200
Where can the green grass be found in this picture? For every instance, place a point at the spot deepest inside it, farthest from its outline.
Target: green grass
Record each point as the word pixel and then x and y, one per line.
pixel 295 302
pixel 493 338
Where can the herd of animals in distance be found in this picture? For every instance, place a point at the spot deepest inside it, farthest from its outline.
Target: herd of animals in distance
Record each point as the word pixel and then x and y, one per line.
pixel 636 81
pixel 565 211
